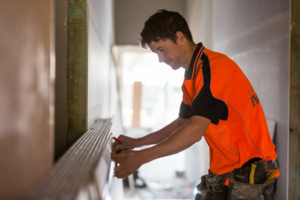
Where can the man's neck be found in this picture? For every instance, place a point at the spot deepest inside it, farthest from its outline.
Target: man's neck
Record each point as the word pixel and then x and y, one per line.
pixel 189 52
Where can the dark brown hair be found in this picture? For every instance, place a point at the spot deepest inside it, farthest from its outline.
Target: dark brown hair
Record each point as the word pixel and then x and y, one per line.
pixel 164 25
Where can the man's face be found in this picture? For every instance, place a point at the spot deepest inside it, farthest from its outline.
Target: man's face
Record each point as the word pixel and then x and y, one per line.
pixel 168 52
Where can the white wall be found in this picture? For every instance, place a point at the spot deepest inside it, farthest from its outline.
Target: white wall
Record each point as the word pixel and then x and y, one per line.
pixel 255 34
pixel 103 83
pixel 100 40
pixel 103 97
pixel 26 94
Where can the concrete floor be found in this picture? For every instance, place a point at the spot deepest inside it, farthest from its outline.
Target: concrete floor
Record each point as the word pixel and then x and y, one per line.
pixel 176 189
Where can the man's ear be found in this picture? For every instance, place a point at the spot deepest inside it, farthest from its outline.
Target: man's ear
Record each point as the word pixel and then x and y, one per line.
pixel 180 37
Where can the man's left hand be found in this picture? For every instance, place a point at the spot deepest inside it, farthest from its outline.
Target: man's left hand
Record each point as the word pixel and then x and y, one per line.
pixel 127 162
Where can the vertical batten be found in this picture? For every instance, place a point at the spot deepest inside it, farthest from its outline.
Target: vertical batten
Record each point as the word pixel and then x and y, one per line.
pixel 294 117
pixel 77 70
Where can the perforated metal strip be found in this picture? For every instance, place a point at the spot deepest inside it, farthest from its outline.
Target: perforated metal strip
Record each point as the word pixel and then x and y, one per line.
pixel 73 170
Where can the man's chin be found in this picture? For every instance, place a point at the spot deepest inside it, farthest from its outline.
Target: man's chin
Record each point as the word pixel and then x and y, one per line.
pixel 174 67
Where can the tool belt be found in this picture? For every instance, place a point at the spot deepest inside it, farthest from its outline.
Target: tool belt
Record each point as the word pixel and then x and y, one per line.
pixel 239 187
pixel 263 188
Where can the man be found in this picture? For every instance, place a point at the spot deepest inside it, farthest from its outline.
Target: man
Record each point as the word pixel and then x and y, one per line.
pixel 218 103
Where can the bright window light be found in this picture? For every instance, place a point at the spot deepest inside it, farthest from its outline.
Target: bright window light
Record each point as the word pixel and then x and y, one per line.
pixel 161 89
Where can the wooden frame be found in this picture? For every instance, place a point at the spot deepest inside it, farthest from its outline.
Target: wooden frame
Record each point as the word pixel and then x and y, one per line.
pixel 294 134
pixel 77 70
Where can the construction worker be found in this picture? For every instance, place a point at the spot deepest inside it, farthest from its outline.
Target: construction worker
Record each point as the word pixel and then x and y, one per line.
pixel 218 103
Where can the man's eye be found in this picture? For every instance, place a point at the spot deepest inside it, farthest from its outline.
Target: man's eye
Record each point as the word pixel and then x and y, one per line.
pixel 162 50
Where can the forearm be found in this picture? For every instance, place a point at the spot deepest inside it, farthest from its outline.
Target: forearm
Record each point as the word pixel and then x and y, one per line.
pixel 180 140
pixel 162 134
pixel 129 161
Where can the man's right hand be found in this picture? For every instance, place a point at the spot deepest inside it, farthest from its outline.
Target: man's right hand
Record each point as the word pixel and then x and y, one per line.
pixel 152 138
pixel 128 143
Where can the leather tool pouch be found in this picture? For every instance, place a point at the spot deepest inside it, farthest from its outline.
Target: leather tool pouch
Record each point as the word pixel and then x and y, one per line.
pixel 215 183
pixel 202 185
pixel 202 189
pixel 245 191
pixel 211 183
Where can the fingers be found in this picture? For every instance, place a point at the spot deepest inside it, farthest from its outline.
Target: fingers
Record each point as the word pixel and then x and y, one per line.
pixel 120 147
pixel 122 172
pixel 115 144
pixel 120 153
pixel 119 168
pixel 118 158
pixel 127 162
pixel 127 143
pixel 122 137
pixel 117 141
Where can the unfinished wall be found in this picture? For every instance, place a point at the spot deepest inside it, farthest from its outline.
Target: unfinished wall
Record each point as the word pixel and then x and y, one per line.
pixel 26 94
pixel 255 34
pixel 132 14
pixel 92 28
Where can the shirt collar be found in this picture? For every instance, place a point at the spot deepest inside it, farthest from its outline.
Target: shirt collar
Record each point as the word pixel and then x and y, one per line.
pixel 189 73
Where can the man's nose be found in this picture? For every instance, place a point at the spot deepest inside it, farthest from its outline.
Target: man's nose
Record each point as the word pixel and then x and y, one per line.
pixel 161 57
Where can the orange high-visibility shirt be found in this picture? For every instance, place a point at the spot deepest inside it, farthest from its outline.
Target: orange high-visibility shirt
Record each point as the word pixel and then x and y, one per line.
pixel 216 88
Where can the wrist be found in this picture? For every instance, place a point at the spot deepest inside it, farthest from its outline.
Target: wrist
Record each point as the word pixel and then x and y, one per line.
pixel 139 142
pixel 147 155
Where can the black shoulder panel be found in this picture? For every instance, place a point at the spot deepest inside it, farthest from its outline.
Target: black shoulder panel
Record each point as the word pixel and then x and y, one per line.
pixel 205 104
pixel 184 111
